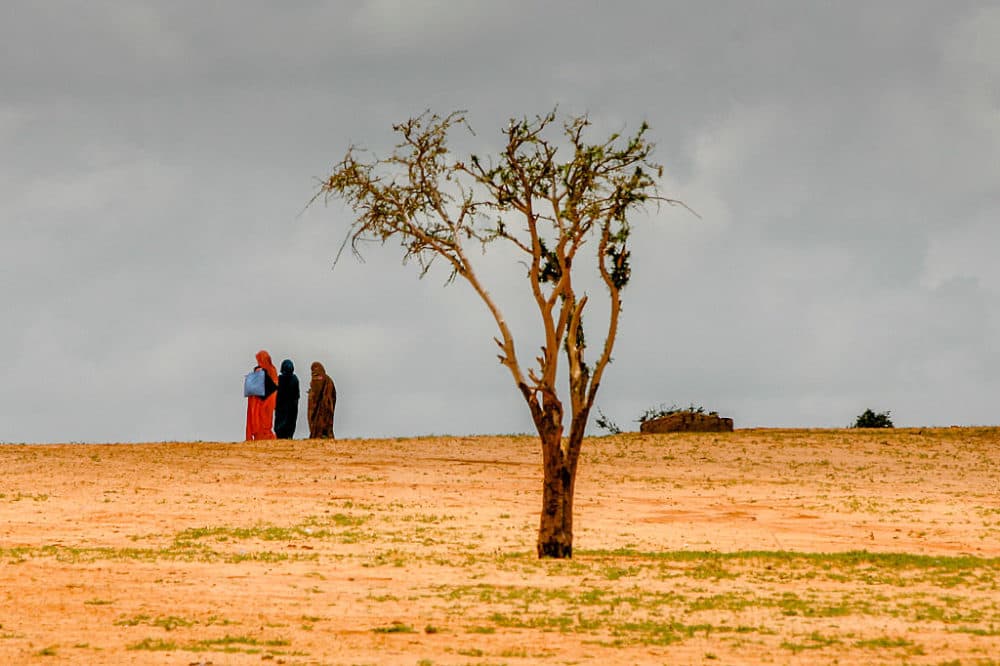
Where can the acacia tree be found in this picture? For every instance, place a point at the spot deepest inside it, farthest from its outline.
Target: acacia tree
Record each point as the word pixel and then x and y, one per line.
pixel 548 210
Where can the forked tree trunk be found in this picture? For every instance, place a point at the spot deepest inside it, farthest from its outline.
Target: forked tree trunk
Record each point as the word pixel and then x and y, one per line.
pixel 555 531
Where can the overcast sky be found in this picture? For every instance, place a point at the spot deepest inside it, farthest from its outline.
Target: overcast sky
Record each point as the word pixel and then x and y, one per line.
pixel 844 157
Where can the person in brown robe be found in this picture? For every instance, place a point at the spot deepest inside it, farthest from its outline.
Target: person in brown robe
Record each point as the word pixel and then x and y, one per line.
pixel 322 401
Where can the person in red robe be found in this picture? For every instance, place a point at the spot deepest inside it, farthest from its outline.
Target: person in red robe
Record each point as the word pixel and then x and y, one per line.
pixel 260 411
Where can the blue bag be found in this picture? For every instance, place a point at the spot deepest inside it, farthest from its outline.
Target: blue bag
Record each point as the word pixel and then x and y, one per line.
pixel 253 384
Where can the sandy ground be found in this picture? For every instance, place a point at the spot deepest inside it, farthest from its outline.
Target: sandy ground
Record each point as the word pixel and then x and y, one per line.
pixel 737 548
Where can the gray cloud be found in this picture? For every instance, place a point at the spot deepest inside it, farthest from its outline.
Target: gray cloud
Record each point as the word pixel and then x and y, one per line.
pixel 842 157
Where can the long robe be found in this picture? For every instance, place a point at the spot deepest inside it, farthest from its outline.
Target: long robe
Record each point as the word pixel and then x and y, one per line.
pixel 260 411
pixel 322 402
pixel 286 411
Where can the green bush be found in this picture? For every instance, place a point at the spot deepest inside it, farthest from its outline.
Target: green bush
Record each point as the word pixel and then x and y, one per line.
pixel 869 419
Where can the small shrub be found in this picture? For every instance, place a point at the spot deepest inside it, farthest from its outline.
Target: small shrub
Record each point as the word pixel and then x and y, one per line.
pixel 605 423
pixel 870 419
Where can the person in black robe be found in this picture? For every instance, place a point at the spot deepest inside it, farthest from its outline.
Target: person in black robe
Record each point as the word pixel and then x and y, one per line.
pixel 286 411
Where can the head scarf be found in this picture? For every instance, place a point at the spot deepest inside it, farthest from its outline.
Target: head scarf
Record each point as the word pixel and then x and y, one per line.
pixel 318 373
pixel 287 367
pixel 265 362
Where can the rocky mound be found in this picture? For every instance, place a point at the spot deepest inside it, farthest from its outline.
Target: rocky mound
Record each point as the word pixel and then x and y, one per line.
pixel 687 422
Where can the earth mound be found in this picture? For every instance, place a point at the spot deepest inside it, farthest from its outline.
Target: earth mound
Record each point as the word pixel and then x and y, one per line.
pixel 687 422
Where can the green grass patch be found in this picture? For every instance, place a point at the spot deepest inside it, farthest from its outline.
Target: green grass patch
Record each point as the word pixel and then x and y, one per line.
pixel 395 628
pixel 312 528
pixel 854 558
pixel 153 645
pixel 228 640
pixel 814 641
pixel 977 631
pixel 883 642
pixel 171 622
pixel 178 552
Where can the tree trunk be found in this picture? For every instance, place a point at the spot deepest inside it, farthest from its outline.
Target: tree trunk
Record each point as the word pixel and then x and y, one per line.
pixel 559 460
pixel 555 533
